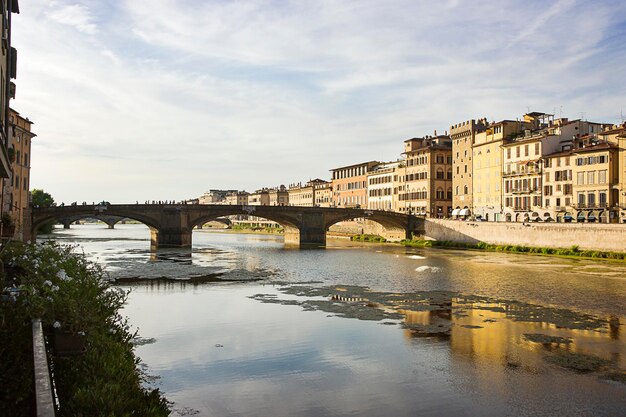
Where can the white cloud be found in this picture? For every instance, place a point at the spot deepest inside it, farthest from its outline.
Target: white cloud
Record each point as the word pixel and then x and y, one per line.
pixel 75 15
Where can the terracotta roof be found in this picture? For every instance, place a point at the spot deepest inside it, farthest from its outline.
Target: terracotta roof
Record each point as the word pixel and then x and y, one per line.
pixel 598 147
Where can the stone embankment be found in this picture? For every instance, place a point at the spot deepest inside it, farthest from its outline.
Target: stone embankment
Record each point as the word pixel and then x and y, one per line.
pixel 587 236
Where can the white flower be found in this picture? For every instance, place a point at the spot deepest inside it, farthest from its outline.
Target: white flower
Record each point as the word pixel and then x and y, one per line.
pixel 56 325
pixel 62 275
pixel 49 298
pixel 48 283
pixel 55 288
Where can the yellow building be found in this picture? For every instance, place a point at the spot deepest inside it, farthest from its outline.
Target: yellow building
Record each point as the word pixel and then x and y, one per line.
pixel 487 168
pixel 617 135
pixel 596 182
pixel 426 179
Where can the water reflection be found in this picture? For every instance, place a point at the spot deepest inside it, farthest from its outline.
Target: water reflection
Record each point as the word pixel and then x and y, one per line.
pixel 449 339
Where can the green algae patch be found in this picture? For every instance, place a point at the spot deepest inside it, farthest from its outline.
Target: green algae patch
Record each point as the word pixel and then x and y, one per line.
pixel 546 339
pixel 579 362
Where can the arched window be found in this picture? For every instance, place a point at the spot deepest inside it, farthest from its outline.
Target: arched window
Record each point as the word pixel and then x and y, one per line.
pixel 456 190
pixel 440 174
pixel 449 196
pixel 465 190
pixel 450 174
pixel 440 195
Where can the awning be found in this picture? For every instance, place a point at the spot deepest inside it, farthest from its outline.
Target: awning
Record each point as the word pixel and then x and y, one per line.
pixel 464 212
pixel 455 212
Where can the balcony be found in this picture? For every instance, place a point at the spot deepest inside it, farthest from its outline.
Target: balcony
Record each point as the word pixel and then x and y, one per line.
pixel 592 206
pixel 522 191
pixel 520 173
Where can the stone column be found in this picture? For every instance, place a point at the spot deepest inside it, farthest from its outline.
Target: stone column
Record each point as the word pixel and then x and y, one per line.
pixel 174 231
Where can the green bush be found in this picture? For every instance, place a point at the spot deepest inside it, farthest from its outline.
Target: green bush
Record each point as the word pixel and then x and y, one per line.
pixel 66 291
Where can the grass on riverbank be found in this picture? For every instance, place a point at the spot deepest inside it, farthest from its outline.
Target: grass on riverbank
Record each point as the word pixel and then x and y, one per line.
pixel 70 295
pixel 368 238
pixel 248 227
pixel 572 251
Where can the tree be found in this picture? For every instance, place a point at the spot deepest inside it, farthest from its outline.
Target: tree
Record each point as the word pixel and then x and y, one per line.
pixel 40 198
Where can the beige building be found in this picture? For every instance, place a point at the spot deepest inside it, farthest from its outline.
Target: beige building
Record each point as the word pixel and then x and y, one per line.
pixel 382 192
pixel 530 182
pixel 350 184
pixel 301 195
pixel 17 190
pixel 617 135
pixel 279 196
pixel 307 195
pixel 425 186
pixel 236 198
pixel 323 193
pixel 259 198
pixel 557 187
pixel 463 135
pixel 215 196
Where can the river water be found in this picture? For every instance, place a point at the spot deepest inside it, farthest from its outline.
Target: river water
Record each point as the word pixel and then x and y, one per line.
pixel 367 330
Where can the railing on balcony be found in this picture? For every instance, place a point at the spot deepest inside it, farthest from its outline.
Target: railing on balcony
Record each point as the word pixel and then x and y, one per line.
pixel 524 172
pixel 592 206
pixel 529 190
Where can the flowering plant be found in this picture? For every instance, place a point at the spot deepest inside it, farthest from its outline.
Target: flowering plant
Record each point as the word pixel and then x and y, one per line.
pixel 54 283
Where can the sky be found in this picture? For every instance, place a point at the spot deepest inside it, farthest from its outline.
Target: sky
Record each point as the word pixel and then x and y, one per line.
pixel 136 100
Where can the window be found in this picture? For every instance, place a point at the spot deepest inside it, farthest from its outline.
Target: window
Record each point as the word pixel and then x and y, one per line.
pixel 465 191
pixel 526 150
pixel 591 198
pixel 537 151
pixel 602 176
pixel 602 199
pixel 517 151
pixel 581 199
pixel 580 180
pixel 591 177
pixel 508 153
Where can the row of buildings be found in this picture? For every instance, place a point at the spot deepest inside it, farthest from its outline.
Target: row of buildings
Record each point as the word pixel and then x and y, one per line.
pixel 15 137
pixel 536 168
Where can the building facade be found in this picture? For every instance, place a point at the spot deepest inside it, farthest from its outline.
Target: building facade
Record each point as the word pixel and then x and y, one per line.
pixel 259 198
pixel 425 186
pixel 349 184
pixel 323 193
pixel 382 193
pixel 8 70
pixel 463 135
pixel 278 196
pixel 239 198
pixel 16 194
pixel 616 135
pixel 596 183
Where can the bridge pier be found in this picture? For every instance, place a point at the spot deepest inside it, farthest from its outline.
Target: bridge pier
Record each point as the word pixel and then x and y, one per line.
pixel 66 224
pixel 169 238
pixel 311 232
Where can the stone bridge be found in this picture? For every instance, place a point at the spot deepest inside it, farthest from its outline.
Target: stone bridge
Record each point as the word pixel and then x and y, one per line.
pixel 171 225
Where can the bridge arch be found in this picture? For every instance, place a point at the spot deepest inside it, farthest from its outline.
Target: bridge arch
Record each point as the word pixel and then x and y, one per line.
pixel 395 225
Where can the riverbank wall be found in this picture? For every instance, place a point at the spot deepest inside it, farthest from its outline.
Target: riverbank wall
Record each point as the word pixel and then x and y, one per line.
pixel 600 237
